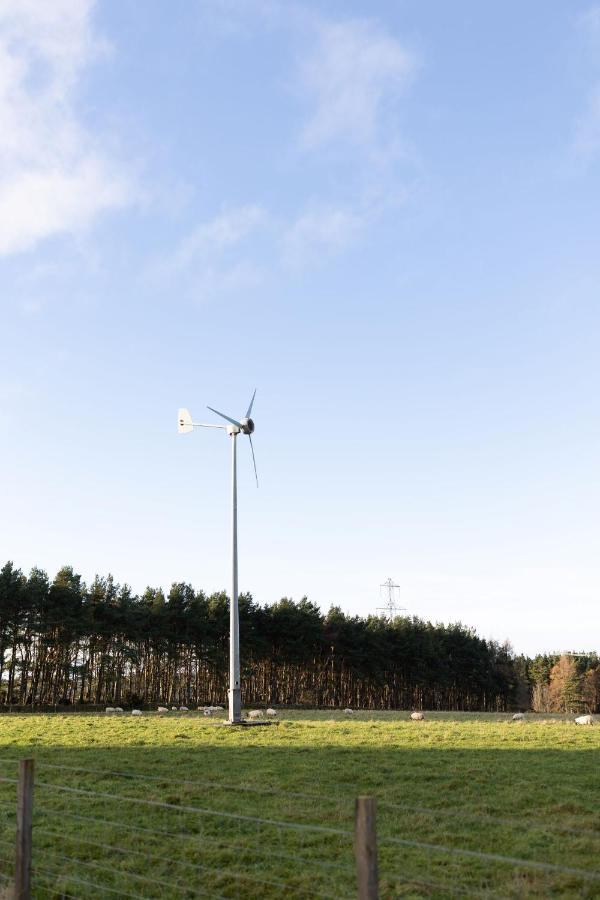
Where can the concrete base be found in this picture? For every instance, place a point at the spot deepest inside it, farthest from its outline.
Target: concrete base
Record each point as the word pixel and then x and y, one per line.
pixel 235 702
pixel 247 723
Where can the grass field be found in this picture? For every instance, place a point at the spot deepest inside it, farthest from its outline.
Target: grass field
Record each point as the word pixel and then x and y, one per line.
pixel 234 801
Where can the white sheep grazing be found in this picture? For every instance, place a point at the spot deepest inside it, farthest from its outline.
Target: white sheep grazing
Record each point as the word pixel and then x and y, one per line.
pixel 109 709
pixel 584 720
pixel 417 716
pixel 118 709
pixel 271 712
pixel 136 712
pixel 217 708
pixel 207 711
pixel 173 707
pixel 183 709
pixel 349 712
pixel 255 714
pixel 518 717
pixel 162 709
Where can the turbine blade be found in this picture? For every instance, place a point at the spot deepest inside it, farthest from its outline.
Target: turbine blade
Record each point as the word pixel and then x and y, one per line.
pixel 223 416
pixel 248 414
pixel 253 458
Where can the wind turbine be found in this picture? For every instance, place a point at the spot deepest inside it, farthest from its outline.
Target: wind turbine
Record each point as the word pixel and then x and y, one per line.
pixel 235 427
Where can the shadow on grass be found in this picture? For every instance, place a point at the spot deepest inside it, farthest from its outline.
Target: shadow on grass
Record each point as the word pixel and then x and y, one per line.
pixel 224 791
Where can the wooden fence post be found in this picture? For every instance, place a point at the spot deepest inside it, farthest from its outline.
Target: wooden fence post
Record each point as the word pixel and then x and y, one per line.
pixel 24 822
pixel 365 849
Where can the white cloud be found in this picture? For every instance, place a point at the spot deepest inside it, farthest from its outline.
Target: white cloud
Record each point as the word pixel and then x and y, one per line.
pixel 55 176
pixel 318 232
pixel 209 260
pixel 355 70
pixel 590 22
pixel 219 234
pixel 215 280
pixel 351 76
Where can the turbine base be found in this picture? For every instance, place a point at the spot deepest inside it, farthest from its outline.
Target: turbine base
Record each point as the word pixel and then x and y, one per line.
pixel 235 706
pixel 244 723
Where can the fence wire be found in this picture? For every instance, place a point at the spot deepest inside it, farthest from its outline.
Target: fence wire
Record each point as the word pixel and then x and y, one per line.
pixel 152 836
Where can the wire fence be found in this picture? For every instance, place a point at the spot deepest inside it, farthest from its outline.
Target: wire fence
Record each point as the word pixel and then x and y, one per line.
pixel 101 832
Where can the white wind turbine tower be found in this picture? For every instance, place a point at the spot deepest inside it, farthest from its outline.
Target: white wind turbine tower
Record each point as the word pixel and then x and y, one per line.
pixel 235 427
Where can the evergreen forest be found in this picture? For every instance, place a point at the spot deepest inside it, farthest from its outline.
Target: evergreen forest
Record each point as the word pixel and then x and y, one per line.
pixel 63 643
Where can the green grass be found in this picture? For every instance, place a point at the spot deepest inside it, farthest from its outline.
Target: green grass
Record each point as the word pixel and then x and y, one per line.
pixel 464 781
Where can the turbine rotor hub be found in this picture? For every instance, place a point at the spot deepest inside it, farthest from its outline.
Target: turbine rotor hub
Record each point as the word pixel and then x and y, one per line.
pixel 247 426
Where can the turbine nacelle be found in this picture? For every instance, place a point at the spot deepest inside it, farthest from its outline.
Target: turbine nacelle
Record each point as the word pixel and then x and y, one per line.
pixel 185 424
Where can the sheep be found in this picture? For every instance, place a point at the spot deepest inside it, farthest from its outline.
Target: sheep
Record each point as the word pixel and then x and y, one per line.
pixel 255 714
pixel 518 717
pixel 584 720
pixel 162 709
pixel 217 708
pixel 136 712
pixel 173 707
pixel 183 709
pixel 417 716
pixel 109 709
pixel 271 712
pixel 118 709
pixel 349 712
pixel 207 711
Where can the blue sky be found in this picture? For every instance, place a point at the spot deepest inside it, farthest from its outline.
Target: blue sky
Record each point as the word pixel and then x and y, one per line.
pixel 385 217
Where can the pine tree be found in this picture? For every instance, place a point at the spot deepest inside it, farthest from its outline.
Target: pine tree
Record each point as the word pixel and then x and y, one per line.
pixel 565 686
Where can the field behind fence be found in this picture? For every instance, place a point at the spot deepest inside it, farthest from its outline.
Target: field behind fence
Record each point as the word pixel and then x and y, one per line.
pixel 123 841
pixel 124 830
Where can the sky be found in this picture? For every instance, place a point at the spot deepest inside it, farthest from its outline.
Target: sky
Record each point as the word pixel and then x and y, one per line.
pixel 384 217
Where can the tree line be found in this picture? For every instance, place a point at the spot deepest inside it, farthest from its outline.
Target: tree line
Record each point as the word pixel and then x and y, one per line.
pixel 64 642
pixel 567 682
